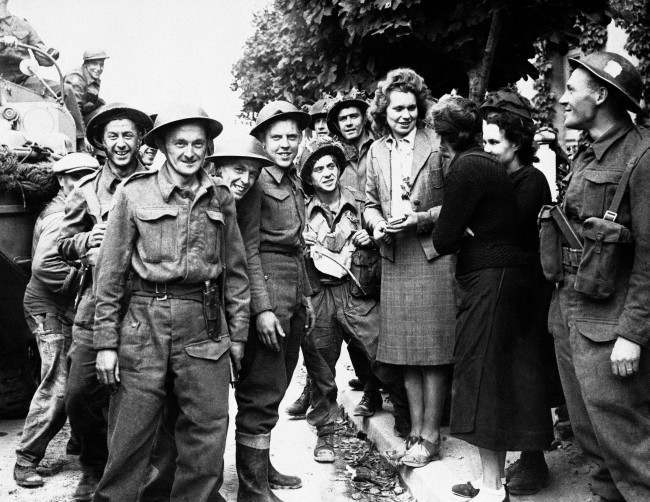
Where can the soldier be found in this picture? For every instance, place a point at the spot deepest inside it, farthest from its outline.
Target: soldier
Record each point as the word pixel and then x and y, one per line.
pixel 347 121
pixel 334 234
pixel 147 155
pixel 86 81
pixel 117 130
pixel 318 118
pixel 602 344
pixel 13 30
pixel 186 315
pixel 237 162
pixel 48 303
pixel 280 305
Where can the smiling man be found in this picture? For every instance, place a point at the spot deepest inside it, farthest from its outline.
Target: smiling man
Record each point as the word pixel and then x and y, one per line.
pixel 602 343
pixel 116 129
pixel 174 232
pixel 280 305
pixel 86 81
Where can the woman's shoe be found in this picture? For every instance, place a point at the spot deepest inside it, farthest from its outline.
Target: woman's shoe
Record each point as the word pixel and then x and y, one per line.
pixel 490 495
pixel 467 490
pixel 422 453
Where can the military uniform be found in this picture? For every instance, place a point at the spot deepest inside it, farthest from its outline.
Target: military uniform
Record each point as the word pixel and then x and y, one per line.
pixel 354 175
pixel 173 240
pixel 26 34
pixel 339 314
pixel 86 400
pixel 609 415
pixel 85 89
pixel 277 203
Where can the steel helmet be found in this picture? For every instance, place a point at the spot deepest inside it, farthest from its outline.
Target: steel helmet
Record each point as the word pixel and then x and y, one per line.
pixel 104 114
pixel 176 114
pixel 240 146
pixel 75 162
pixel 278 110
pixel 353 98
pixel 314 150
pixel 615 70
pixel 319 109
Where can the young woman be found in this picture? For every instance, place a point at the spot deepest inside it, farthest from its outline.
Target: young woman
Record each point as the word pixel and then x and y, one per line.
pixel 508 132
pixel 404 190
pixel 478 220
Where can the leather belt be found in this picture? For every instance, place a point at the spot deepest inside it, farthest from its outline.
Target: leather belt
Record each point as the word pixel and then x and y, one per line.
pixel 285 250
pixel 164 291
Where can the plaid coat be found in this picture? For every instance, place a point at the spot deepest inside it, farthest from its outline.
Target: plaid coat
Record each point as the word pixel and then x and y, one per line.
pixel 427 175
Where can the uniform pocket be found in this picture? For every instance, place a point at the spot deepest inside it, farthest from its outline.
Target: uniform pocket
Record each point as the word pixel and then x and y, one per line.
pixel 599 190
pixel 208 349
pixel 281 212
pixel 158 228
pixel 213 234
pixel 597 331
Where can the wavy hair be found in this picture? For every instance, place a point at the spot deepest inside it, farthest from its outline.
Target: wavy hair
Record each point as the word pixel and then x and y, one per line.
pixel 517 131
pixel 458 122
pixel 404 80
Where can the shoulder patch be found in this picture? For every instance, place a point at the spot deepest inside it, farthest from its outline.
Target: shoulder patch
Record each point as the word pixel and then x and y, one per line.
pixel 139 174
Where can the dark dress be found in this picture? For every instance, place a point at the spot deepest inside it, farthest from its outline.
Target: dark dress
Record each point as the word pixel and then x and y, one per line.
pixel 490 401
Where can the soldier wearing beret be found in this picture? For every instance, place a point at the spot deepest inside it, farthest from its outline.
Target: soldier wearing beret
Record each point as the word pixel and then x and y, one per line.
pixel 48 305
pixel 174 231
pixel 117 129
pixel 85 81
pixel 602 339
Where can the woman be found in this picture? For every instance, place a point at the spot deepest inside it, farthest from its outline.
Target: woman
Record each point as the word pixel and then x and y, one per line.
pixel 478 220
pixel 508 132
pixel 404 188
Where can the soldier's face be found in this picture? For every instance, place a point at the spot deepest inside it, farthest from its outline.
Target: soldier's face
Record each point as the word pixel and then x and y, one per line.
pixel 121 142
pixel 95 68
pixel 320 127
pixel 240 175
pixel 401 113
pixel 496 143
pixel 281 142
pixel 325 174
pixel 351 122
pixel 579 100
pixel 147 155
pixel 185 148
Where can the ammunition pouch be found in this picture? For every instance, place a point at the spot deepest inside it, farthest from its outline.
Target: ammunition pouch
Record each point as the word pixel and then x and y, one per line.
pixel 604 241
pixel 366 267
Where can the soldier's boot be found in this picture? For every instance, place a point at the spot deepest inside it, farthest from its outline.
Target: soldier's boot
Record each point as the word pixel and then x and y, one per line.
pixel 279 481
pixel 300 406
pixel 252 460
pixel 87 485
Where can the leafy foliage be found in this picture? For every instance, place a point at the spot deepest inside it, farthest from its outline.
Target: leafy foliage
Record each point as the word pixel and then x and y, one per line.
pixel 302 47
pixel 634 17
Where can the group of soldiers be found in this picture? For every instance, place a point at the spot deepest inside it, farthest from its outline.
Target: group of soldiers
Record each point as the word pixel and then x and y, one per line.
pixel 152 290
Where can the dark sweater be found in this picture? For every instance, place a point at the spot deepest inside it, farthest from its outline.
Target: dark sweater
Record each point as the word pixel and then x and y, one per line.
pixel 532 192
pixel 480 196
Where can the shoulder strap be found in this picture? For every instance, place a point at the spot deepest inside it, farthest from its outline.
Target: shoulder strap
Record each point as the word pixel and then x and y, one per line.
pixel 612 213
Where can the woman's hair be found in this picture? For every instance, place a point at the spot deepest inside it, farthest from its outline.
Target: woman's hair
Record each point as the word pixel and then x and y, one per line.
pixel 404 80
pixel 458 122
pixel 518 131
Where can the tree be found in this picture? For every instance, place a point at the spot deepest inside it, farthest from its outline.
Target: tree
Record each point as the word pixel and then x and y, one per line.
pixel 337 44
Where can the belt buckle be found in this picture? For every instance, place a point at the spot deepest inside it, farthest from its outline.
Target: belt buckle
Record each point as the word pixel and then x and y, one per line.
pixel 163 293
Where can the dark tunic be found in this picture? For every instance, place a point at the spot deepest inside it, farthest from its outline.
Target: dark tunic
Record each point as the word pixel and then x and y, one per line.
pixel 490 405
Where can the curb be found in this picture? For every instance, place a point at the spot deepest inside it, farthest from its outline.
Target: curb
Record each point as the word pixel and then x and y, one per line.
pixel 431 483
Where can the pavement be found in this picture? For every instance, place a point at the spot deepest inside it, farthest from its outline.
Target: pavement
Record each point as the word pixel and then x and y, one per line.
pixel 291 452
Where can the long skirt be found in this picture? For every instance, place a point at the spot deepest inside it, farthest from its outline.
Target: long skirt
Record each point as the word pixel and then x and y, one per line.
pixel 499 397
pixel 418 306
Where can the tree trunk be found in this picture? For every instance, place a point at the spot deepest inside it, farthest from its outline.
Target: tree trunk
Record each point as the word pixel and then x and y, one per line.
pixel 480 74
